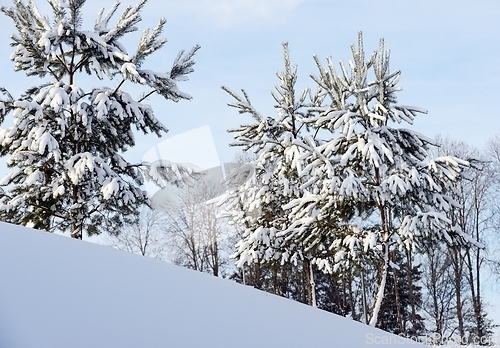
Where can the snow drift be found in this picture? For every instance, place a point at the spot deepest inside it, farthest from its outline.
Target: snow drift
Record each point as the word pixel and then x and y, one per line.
pixel 58 292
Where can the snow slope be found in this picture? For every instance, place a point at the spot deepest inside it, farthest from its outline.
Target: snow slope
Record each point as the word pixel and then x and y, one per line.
pixel 58 292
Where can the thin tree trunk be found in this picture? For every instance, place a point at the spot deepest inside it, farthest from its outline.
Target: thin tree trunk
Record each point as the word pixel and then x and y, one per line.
pixel 381 288
pixel 458 271
pixel 352 300
pixel 435 302
pixel 397 304
pixel 363 297
pixel 385 267
pixel 478 310
pixel 310 285
pixel 479 302
pixel 215 257
pixel 344 297
pixel 75 231
pixel 274 277
pixel 411 293
pixel 475 296
pixel 458 268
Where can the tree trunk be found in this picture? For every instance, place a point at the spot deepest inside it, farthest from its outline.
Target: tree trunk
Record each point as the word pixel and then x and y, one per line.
pixel 310 285
pixel 76 231
pixel 274 277
pixel 215 257
pixel 363 296
pixel 352 300
pixel 411 294
pixel 478 305
pixel 476 299
pixel 344 297
pixel 385 221
pixel 397 304
pixel 458 272
pixel 381 288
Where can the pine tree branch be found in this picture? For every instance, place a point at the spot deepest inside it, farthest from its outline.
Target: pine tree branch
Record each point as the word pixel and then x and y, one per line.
pixel 83 61
pixel 119 86
pixel 53 74
pixel 49 211
pixel 63 60
pixel 147 95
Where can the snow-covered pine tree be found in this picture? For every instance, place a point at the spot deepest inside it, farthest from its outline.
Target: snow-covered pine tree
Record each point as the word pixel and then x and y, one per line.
pixel 66 144
pixel 271 180
pixel 347 186
pixel 399 194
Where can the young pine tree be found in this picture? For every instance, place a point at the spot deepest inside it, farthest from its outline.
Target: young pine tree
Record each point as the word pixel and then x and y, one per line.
pixel 66 144
pixel 272 181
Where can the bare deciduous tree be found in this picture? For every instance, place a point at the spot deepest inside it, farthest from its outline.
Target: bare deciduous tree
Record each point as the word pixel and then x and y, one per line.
pixel 196 235
pixel 465 263
pixel 145 237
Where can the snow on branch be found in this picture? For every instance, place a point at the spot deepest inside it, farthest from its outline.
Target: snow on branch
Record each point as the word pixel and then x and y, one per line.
pixel 164 171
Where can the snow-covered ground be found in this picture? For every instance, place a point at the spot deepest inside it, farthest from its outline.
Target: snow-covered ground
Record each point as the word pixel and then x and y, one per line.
pixel 58 292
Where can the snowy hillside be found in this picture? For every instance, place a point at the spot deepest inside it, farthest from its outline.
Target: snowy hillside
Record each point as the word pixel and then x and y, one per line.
pixel 56 292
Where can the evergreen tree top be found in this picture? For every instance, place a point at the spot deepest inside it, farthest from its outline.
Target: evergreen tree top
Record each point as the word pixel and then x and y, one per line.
pixel 59 47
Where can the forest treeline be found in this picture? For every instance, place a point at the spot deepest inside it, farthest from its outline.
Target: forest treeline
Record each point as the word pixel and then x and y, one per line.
pixel 437 292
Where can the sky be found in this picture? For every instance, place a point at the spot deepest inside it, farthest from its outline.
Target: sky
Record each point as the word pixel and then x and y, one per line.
pixel 447 51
